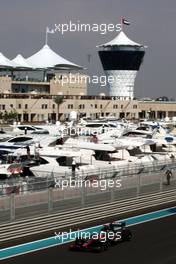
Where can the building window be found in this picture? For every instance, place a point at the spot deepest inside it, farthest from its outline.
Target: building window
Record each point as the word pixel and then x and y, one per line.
pixel 115 106
pixel 121 106
pixel 134 106
pixel 81 106
pixel 95 106
pixel 101 106
pixel 19 106
pixel 70 106
pixel 3 107
pixel 53 106
pixel 26 106
pixel 44 106
pixel 11 105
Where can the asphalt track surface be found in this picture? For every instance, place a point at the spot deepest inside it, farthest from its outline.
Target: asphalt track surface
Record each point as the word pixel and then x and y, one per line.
pixel 153 243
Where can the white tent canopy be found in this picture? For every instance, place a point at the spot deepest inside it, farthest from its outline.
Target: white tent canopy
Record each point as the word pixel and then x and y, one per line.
pixel 6 63
pixel 21 62
pixel 121 40
pixel 47 58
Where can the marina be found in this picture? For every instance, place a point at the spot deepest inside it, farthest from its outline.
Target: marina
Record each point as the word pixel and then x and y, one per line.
pixel 45 172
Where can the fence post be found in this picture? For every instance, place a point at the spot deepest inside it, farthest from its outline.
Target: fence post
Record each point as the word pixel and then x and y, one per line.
pixel 138 184
pixel 83 194
pixel 50 199
pixel 12 206
pixel 161 182
pixel 112 192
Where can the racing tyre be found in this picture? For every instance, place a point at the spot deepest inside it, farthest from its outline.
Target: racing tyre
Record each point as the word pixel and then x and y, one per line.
pixel 127 235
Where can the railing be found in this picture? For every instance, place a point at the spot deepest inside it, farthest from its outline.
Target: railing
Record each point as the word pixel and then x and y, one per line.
pixel 47 179
pixel 48 96
pixel 30 198
pixel 71 218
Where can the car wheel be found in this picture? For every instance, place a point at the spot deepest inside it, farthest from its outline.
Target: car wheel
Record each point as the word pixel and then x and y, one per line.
pixel 99 249
pixel 106 246
pixel 127 236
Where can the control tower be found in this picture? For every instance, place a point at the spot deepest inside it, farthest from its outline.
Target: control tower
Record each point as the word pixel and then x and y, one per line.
pixel 121 59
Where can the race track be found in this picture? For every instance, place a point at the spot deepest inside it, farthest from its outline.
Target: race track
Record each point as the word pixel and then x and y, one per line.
pixel 153 243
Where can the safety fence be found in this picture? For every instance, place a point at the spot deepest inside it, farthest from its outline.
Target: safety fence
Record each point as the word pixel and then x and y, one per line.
pixel 31 197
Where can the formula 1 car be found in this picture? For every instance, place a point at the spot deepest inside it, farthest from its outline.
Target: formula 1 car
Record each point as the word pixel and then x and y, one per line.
pixel 109 235
pixel 117 232
pixel 93 245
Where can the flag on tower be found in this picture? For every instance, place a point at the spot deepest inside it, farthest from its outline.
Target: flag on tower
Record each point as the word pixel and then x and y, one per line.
pixel 51 31
pixel 125 21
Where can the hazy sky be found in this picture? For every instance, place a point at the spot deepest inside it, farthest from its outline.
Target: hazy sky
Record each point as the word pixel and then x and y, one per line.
pixel 153 23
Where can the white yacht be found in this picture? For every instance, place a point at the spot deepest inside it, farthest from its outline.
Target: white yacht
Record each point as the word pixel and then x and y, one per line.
pixel 90 158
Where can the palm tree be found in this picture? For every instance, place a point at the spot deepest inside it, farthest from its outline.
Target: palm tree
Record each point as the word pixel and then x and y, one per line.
pixel 59 99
